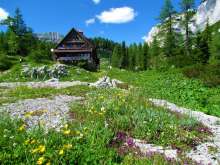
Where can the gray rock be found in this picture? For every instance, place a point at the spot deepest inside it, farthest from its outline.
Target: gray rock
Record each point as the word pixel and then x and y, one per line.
pixel 49 113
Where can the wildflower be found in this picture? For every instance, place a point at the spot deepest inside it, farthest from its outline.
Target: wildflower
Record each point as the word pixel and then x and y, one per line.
pixel 33 141
pixel 130 142
pixel 61 152
pixel 48 163
pixel 67 146
pixel 28 114
pixel 78 132
pixel 66 126
pixel 22 128
pixel 26 142
pixel 40 160
pixel 101 113
pixel 103 109
pixel 41 149
pixel 34 150
pixel 66 132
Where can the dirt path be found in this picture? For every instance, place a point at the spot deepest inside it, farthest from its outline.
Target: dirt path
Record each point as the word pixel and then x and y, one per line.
pixel 207 153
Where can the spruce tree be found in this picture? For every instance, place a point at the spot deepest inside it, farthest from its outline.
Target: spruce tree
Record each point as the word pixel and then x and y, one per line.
pixel 116 56
pixel 131 56
pixel 124 56
pixel 166 18
pixel 215 49
pixel 187 7
pixel 154 49
pixel 13 45
pixel 146 55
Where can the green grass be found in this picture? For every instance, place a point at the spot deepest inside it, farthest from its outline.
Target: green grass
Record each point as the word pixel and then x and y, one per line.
pixel 104 114
pixel 171 85
pixel 21 93
pixel 86 140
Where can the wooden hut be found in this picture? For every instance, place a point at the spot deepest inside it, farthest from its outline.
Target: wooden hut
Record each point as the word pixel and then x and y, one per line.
pixel 75 47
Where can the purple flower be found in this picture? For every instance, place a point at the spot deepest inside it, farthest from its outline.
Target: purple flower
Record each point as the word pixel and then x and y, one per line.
pixel 149 154
pixel 121 136
pixel 130 142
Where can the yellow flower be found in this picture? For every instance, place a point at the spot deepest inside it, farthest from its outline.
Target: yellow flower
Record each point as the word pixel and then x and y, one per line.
pixel 48 163
pixel 78 132
pixel 27 142
pixel 101 113
pixel 40 160
pixel 103 109
pixel 34 150
pixel 66 126
pixel 33 141
pixel 61 152
pixel 22 128
pixel 66 132
pixel 67 146
pixel 41 149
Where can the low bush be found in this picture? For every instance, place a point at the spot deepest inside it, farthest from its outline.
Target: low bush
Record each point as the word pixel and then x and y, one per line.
pixel 209 74
pixel 5 62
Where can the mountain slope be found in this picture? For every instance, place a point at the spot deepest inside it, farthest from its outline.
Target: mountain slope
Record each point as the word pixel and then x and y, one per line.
pixel 207 11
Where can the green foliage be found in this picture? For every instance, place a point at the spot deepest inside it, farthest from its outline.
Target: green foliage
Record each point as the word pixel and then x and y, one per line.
pixel 42 52
pixel 12 41
pixel 209 74
pixel 187 7
pixel 215 49
pixel 5 62
pixel 116 56
pixel 173 86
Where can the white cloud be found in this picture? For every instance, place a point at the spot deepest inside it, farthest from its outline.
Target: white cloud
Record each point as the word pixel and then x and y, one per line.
pixel 117 15
pixel 96 1
pixel 90 21
pixel 3 14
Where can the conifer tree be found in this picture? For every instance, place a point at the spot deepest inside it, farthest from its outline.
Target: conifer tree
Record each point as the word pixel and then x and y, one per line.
pixel 116 56
pixel 124 56
pixel 154 49
pixel 215 49
pixel 13 45
pixel 187 7
pixel 166 18
pixel 146 55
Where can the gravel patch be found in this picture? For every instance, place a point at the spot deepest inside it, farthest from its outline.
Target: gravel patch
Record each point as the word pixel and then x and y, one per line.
pixel 49 113
pixel 44 84
pixel 202 154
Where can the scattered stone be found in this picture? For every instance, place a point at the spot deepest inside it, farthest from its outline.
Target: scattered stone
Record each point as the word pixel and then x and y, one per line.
pixel 106 82
pixel 201 153
pixel 49 113
pixel 43 72
pixel 151 149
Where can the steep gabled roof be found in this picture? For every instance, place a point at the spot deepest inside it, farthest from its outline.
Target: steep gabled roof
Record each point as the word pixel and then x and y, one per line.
pixel 73 34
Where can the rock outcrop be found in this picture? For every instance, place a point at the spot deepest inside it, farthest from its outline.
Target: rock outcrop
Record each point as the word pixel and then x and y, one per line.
pixel 44 72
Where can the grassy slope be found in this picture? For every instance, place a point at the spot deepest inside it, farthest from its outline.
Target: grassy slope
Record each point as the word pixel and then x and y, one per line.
pixel 173 86
pixel 170 85
pixel 95 146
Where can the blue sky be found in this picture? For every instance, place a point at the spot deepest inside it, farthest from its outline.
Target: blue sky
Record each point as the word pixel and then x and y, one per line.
pixel 119 20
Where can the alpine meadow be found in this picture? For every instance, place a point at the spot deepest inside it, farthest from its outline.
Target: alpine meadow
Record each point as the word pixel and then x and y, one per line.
pixel 78 84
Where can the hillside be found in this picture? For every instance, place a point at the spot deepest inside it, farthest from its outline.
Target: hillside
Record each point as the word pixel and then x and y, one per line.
pixel 101 122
